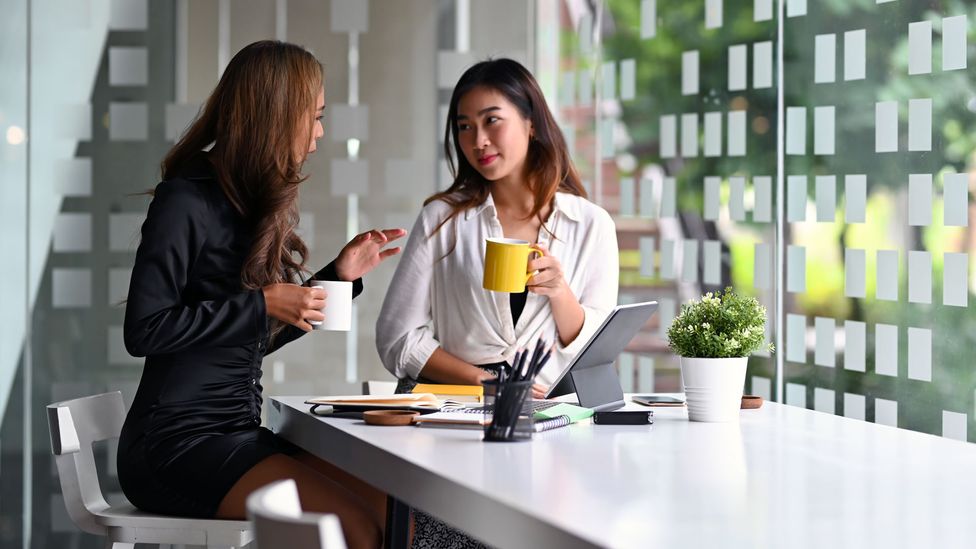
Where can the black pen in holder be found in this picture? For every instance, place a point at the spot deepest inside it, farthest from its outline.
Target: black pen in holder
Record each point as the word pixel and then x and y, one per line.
pixel 503 403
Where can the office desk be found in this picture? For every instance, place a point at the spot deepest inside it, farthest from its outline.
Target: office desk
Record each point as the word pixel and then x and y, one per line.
pixel 781 477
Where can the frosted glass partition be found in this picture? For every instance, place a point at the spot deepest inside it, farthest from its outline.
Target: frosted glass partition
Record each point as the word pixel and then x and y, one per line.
pixel 888 249
pixel 694 147
pixel 816 155
pixel 112 85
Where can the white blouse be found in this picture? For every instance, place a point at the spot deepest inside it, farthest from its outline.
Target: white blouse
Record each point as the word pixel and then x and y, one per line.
pixel 436 297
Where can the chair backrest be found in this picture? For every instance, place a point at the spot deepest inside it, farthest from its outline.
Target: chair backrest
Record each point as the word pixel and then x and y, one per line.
pixel 279 521
pixel 374 387
pixel 75 425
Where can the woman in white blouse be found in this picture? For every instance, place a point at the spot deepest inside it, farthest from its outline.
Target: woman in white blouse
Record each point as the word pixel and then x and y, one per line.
pixel 514 179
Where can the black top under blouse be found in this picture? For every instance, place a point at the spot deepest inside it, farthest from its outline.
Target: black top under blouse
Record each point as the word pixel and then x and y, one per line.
pixel 193 427
pixel 517 302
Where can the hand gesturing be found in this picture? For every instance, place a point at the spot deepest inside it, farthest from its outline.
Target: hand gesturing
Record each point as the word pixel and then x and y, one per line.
pixel 365 251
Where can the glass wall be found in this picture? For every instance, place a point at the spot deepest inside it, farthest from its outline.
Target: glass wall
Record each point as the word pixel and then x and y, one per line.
pixel 878 175
pixel 676 132
pixel 13 292
pixel 816 155
pixel 96 91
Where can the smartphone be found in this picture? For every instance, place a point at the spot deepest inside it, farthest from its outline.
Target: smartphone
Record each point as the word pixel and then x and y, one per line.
pixel 658 400
pixel 623 417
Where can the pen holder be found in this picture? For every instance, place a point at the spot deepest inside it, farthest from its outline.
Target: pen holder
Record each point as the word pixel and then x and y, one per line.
pixel 505 421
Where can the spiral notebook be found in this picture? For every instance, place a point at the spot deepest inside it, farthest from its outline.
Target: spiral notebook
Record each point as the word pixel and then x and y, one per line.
pixel 468 420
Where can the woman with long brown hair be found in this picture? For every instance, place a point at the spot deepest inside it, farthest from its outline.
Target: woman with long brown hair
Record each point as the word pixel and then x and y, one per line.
pixel 216 286
pixel 514 179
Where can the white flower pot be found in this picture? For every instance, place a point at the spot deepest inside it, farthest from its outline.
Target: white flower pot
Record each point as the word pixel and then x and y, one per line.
pixel 713 387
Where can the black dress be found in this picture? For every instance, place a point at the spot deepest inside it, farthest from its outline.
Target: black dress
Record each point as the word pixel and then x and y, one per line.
pixel 194 427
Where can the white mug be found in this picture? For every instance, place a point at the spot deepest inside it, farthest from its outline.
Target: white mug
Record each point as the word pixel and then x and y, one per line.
pixel 338 305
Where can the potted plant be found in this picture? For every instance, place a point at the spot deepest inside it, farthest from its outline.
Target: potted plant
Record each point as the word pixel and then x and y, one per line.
pixel 714 337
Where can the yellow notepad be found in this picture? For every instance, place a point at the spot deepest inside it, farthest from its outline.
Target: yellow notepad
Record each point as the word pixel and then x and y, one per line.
pixel 457 393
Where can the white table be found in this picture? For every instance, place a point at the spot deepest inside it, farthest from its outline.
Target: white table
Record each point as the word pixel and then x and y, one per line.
pixel 781 477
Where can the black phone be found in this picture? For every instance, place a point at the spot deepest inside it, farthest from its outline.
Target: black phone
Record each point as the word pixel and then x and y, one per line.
pixel 658 400
pixel 623 417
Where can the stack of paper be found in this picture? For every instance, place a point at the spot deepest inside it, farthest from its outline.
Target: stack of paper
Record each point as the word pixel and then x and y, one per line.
pixel 455 419
pixel 425 401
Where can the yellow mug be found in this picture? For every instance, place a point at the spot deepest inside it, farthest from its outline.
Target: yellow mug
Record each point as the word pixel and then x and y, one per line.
pixel 507 264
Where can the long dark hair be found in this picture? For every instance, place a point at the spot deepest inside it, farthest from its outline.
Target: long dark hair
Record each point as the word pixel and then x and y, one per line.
pixel 549 166
pixel 254 117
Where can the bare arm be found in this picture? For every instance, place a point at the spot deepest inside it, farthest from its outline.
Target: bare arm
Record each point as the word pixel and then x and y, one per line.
pixel 549 281
pixel 443 367
pixel 568 315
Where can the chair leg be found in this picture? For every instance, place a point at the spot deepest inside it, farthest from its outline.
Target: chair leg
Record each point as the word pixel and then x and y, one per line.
pixel 397 524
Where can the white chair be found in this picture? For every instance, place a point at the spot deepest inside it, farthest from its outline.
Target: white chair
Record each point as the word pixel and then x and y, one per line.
pixel 75 425
pixel 279 521
pixel 374 387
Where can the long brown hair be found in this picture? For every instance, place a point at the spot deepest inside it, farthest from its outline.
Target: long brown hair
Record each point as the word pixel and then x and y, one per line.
pixel 549 166
pixel 255 116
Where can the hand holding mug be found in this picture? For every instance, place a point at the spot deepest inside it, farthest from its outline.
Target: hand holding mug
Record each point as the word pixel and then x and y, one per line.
pixel 548 279
pixel 294 304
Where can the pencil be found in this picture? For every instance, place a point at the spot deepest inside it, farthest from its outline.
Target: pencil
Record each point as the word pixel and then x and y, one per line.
pixel 521 365
pixel 535 356
pixel 542 362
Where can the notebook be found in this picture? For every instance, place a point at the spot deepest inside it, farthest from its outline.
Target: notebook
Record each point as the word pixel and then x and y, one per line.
pixel 467 420
pixel 529 406
pixel 421 402
pixel 559 415
pixel 456 419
